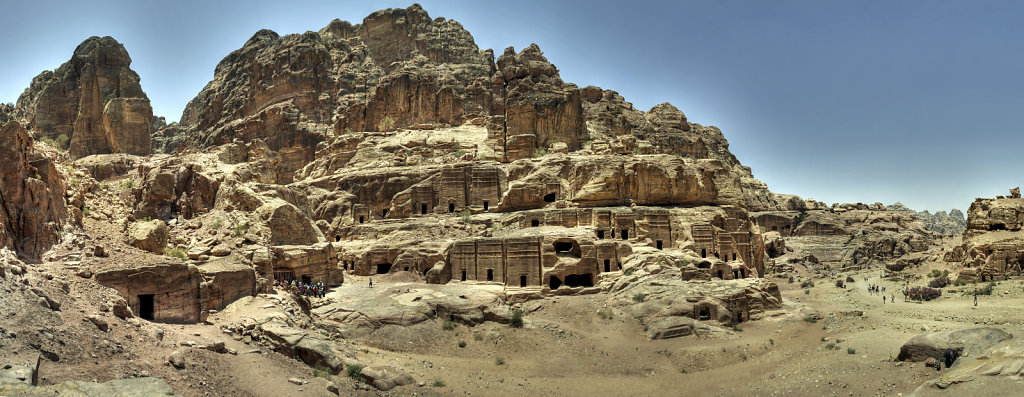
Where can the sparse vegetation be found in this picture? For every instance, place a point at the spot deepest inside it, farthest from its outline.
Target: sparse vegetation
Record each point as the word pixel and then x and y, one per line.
pixel 605 314
pixel 438 383
pixel 462 343
pixel 516 319
pixel 810 319
pixel 240 229
pixel 840 284
pixel 448 324
pixel 217 224
pixel 986 290
pixel 175 252
pixel 939 282
pixel 128 184
pixel 85 210
pixel 791 279
pixel 460 153
pixel 737 328
pixel 499 361
pixel 807 284
pixel 540 152
pixel 639 297
pixel 354 371
pixel 850 350
pixel 386 124
pixel 466 215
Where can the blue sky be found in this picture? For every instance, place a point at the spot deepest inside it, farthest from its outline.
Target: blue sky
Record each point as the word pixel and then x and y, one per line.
pixel 911 101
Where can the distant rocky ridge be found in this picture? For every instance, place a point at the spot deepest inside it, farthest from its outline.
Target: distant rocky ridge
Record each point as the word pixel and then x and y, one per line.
pixel 92 104
pixel 950 224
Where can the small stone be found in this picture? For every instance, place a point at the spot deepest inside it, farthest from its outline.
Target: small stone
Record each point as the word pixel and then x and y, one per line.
pixel 296 381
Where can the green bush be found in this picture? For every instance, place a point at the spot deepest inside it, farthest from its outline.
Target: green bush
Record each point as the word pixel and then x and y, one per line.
pixel 240 229
pixel 737 328
pixel 438 383
pixel 499 361
pixel 386 124
pixel 354 371
pixel 850 350
pixel 175 252
pixel 810 319
pixel 516 320
pixel 605 314
pixel 639 297
pixel 462 343
pixel 448 324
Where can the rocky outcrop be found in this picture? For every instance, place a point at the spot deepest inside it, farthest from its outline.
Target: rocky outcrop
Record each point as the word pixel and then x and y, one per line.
pixel 970 342
pixel 993 244
pixel 93 102
pixel 950 223
pixel 31 194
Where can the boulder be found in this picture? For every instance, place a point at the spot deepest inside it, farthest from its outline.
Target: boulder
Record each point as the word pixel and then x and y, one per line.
pixel 972 341
pixel 99 322
pixel 316 352
pixel 288 225
pixel 177 359
pixel 150 236
pixel 386 378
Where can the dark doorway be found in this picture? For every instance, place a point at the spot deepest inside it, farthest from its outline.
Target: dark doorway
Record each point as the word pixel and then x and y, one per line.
pixel 607 265
pixel 337 238
pixel 490 274
pixel 306 280
pixel 534 223
pixel 657 244
pixel 554 283
pixel 720 275
pixel 733 256
pixel 563 246
pixel 703 252
pixel 743 273
pixel 775 228
pixel 624 234
pixel 739 317
pixel 579 280
pixel 423 209
pixel 451 207
pixel 384 213
pixel 383 268
pixel 705 314
pixel 600 234
pixel 522 280
pixel 405 268
pixel 549 198
pixel 486 205
pixel 463 275
pixel 361 219
pixel 735 274
pixel 146 307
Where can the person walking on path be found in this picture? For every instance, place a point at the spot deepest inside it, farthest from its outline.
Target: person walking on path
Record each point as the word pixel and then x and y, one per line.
pixel 883 299
pixel 371 282
pixel 975 298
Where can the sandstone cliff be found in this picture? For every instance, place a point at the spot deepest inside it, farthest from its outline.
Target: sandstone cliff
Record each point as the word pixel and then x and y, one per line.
pixel 993 244
pixel 91 104
pixel 31 194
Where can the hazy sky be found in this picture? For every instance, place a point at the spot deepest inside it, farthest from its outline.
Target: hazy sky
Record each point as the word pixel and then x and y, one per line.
pixel 841 101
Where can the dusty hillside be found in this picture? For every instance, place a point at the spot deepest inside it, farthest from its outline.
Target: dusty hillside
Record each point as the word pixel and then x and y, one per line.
pixel 383 208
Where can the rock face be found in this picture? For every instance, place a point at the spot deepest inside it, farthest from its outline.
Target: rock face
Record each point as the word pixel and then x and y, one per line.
pixel 31 193
pixel 92 104
pixel 993 244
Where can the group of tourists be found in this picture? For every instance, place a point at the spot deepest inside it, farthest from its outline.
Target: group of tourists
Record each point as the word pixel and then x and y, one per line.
pixel 313 289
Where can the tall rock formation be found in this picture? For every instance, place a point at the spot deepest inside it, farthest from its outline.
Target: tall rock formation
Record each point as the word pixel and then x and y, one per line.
pixel 92 104
pixel 993 244
pixel 31 195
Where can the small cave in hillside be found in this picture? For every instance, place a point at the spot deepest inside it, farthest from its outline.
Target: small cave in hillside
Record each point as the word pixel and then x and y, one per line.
pixel 337 238
pixel 383 268
pixel 554 283
pixel 423 209
pixel 600 234
pixel 658 244
pixel 997 226
pixel 451 207
pixel 579 280
pixel 567 247
pixel 705 314
pixel 624 234
pixel 549 198
pixel 486 205
pixel 534 223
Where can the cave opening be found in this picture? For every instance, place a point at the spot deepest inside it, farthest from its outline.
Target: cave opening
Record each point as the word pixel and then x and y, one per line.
pixel 554 282
pixel 383 268
pixel 146 307
pixel 549 198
